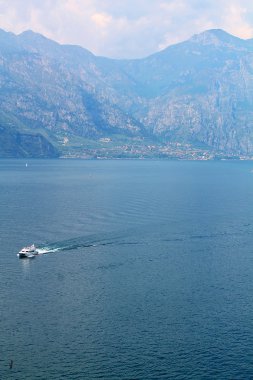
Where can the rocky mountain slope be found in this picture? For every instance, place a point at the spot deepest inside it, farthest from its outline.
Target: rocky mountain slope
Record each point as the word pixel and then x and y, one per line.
pixel 199 92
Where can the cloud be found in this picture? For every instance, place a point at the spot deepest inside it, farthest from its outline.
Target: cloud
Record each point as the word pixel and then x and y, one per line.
pixel 102 20
pixel 126 28
pixel 235 19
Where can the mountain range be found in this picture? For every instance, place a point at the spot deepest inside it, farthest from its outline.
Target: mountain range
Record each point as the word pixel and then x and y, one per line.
pixel 62 100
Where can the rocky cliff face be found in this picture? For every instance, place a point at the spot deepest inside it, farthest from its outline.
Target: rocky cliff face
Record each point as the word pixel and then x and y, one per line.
pixel 209 98
pixel 25 145
pixel 197 92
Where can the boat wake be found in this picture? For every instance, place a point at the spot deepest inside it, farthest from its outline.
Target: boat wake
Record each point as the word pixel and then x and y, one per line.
pixel 86 242
pixel 44 250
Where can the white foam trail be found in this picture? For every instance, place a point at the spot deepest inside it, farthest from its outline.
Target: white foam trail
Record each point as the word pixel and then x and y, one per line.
pixel 85 242
pixel 42 251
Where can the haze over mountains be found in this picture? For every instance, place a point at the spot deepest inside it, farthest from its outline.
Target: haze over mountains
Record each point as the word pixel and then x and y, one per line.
pixel 56 98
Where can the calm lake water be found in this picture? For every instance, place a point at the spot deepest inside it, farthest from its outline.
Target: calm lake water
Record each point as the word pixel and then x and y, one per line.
pixel 148 275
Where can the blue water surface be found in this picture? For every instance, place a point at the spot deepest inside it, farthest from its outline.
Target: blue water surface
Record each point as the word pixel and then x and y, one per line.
pixel 148 272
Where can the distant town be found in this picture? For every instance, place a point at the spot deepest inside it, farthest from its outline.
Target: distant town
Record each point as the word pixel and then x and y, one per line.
pixel 107 148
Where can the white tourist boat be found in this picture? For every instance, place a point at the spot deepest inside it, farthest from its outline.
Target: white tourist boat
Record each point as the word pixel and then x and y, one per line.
pixel 27 252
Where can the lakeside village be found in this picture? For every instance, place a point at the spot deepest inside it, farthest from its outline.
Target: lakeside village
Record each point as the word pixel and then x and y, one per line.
pixel 107 148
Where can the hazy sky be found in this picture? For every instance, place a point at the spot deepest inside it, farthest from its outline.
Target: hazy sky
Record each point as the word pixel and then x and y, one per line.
pixel 126 28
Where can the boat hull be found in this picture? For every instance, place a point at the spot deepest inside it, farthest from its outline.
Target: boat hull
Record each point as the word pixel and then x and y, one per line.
pixel 26 255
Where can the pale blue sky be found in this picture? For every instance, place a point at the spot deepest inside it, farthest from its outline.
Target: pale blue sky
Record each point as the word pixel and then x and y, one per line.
pixel 126 28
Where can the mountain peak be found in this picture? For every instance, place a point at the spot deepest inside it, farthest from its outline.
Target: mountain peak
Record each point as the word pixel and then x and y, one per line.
pixel 217 37
pixel 29 35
